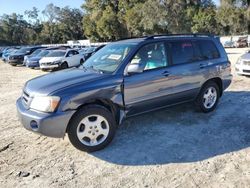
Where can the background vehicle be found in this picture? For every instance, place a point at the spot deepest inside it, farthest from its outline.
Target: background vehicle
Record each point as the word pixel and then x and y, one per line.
pixel 33 54
pixel 60 59
pixel 241 42
pixel 6 53
pixel 18 57
pixel 33 62
pixel 124 79
pixel 90 51
pixel 229 44
pixel 242 66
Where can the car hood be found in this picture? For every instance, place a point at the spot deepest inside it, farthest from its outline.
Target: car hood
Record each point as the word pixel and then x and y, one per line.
pixel 50 83
pixel 50 59
pixel 246 56
pixel 18 54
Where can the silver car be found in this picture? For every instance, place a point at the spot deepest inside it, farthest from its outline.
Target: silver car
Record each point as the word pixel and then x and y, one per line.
pixel 242 66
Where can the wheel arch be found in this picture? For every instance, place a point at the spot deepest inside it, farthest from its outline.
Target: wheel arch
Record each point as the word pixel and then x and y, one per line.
pixel 107 104
pixel 218 81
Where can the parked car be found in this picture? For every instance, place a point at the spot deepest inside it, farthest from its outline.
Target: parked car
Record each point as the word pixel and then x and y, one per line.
pixel 33 62
pixel 124 79
pixel 242 66
pixel 18 57
pixel 90 51
pixel 7 53
pixel 60 59
pixel 229 44
pixel 241 42
pixel 33 54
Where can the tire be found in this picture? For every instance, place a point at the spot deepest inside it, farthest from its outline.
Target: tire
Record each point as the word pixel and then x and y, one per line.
pixel 81 61
pixel 207 102
pixel 64 65
pixel 86 137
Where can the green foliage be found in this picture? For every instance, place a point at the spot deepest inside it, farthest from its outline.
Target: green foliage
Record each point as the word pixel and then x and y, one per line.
pixel 58 26
pixel 103 20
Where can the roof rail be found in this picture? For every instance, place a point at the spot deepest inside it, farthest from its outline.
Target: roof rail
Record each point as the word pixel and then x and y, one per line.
pixel 180 35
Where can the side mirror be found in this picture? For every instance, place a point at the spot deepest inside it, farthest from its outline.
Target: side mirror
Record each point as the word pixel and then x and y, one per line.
pixel 135 68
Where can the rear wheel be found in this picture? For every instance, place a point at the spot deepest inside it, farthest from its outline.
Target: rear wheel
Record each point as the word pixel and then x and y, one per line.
pixel 81 61
pixel 92 128
pixel 208 98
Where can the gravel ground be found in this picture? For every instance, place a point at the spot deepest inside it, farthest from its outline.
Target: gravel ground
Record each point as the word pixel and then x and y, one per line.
pixel 176 147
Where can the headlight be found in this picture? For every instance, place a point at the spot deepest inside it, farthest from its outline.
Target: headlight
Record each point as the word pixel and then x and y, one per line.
pixel 56 62
pixel 45 104
pixel 239 61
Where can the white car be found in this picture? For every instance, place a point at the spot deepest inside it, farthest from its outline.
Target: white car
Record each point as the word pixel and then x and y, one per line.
pixel 242 66
pixel 61 59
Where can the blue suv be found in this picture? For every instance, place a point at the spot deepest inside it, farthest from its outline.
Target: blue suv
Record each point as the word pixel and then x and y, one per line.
pixel 123 79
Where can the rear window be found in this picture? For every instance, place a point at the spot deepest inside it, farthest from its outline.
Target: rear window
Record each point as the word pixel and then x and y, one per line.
pixel 182 52
pixel 208 49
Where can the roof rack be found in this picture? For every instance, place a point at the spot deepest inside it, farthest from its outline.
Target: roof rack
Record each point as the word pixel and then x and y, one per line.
pixel 179 35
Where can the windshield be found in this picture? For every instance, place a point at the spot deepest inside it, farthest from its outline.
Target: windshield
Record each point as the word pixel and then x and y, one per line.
pixel 56 54
pixel 36 52
pixel 43 53
pixel 109 57
pixel 24 50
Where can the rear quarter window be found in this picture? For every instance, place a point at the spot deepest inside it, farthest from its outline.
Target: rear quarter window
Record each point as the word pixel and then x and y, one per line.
pixel 208 49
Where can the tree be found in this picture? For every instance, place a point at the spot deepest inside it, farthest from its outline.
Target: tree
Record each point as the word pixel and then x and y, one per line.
pixel 51 13
pixel 70 24
pixel 204 21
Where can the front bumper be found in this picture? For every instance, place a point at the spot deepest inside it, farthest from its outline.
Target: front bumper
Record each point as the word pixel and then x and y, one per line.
pixel 15 62
pixel 49 66
pixel 32 64
pixel 242 69
pixel 48 124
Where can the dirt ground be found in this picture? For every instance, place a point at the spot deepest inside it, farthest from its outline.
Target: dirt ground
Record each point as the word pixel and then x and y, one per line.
pixel 176 147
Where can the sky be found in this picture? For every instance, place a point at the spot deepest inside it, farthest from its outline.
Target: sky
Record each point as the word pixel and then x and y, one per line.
pixel 19 6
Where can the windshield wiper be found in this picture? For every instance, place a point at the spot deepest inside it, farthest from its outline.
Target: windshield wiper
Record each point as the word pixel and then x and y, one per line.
pixel 92 68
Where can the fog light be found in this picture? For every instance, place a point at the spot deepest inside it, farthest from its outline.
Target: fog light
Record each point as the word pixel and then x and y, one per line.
pixel 33 124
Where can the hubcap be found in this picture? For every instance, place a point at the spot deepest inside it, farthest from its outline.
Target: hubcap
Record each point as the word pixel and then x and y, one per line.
pixel 93 130
pixel 209 97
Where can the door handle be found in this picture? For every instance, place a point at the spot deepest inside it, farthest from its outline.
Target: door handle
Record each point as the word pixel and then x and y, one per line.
pixel 166 73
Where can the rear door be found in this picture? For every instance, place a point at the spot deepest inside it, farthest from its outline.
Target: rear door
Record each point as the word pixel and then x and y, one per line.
pixel 187 71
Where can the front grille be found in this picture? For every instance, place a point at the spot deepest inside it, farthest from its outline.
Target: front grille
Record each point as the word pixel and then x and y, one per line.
pixel 26 98
pixel 246 71
pixel 49 63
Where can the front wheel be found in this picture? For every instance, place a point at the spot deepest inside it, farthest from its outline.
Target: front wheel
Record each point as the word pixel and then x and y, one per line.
pixel 208 98
pixel 91 128
pixel 64 65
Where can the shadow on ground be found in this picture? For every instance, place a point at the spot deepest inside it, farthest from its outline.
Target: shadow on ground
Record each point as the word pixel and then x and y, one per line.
pixel 180 134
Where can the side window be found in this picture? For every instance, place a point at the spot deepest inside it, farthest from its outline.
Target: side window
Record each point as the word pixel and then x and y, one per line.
pixel 70 53
pixel 151 56
pixel 208 49
pixel 182 52
pixel 75 52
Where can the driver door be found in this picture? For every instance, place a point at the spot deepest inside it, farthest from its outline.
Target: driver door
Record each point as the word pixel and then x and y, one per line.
pixel 149 89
